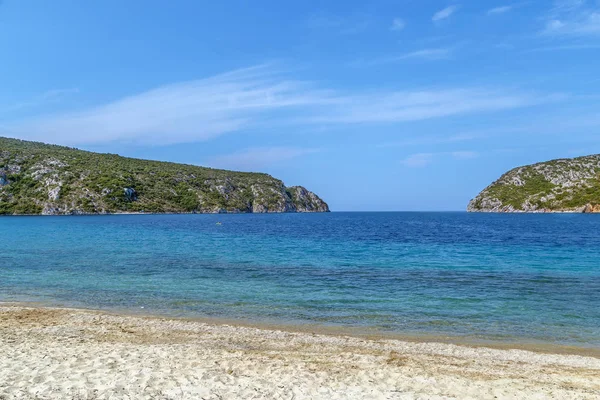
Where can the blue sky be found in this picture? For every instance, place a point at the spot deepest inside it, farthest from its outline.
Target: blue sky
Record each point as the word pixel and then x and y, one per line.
pixel 381 105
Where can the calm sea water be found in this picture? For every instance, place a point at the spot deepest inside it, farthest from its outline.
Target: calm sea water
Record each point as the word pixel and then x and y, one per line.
pixel 478 276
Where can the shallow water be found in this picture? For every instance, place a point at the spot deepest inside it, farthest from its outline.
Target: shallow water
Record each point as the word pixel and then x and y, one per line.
pixel 478 276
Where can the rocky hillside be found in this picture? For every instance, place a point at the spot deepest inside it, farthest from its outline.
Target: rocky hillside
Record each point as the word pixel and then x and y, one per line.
pixel 37 178
pixel 564 185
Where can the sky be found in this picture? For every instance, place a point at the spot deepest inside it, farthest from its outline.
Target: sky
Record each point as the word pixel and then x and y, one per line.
pixel 380 105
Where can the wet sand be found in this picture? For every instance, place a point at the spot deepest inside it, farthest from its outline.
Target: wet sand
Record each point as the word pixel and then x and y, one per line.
pixel 52 353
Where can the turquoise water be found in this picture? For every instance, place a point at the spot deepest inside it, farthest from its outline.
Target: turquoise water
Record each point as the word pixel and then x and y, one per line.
pixel 477 276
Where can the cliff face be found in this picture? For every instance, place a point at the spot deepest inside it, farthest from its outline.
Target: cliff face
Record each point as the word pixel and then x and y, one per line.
pixel 36 178
pixel 564 185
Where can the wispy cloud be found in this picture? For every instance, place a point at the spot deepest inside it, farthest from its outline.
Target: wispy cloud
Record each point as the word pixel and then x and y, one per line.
pixel 445 13
pixel 48 97
pixel 419 160
pixel 433 140
pixel 432 54
pixel 255 158
pixel 566 47
pixel 464 155
pixel 500 10
pixel 573 18
pixel 567 5
pixel 344 25
pixel 405 106
pixel 504 46
pixel 582 26
pixel 428 54
pixel 260 98
pixel 398 24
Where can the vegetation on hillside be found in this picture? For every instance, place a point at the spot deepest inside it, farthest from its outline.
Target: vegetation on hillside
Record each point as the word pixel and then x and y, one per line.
pixel 39 178
pixel 557 185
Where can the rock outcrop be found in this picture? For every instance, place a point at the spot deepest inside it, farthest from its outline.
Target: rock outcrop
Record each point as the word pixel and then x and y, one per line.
pixel 37 178
pixel 591 208
pixel 306 201
pixel 564 185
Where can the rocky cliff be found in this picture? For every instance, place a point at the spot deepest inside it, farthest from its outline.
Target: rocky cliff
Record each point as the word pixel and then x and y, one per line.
pixel 37 178
pixel 564 185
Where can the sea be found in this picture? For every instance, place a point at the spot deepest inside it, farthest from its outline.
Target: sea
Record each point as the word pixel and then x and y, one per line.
pixel 524 278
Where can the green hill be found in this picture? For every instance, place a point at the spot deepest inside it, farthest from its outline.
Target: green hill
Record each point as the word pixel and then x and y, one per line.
pixel 564 185
pixel 37 178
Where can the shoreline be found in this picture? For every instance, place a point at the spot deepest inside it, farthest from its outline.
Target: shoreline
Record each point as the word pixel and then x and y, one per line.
pixel 53 353
pixel 330 330
pixel 518 212
pixel 83 214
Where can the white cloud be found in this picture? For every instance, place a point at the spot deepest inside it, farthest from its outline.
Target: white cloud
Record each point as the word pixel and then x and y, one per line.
pixel 398 24
pixel 344 25
pixel 567 5
pixel 445 13
pixel 505 46
pixel 433 140
pixel 433 54
pixel 464 155
pixel 418 160
pixel 427 54
pixel 500 10
pixel 583 25
pixel 573 18
pixel 584 46
pixel 258 98
pixel 424 159
pixel 181 112
pixel 403 106
pixel 554 25
pixel 255 158
pixel 51 96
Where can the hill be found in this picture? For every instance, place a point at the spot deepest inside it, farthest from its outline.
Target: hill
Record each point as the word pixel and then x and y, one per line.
pixel 37 178
pixel 563 185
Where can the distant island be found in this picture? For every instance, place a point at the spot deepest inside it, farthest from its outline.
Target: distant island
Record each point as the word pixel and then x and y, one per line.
pixel 37 178
pixel 563 185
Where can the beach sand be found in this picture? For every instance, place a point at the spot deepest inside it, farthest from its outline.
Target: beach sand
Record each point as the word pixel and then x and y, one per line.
pixel 50 353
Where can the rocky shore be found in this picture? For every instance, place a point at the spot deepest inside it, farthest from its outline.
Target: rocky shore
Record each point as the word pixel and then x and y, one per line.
pixel 41 179
pixel 563 185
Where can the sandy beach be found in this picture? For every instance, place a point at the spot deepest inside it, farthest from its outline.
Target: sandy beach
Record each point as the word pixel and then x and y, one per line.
pixel 50 353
